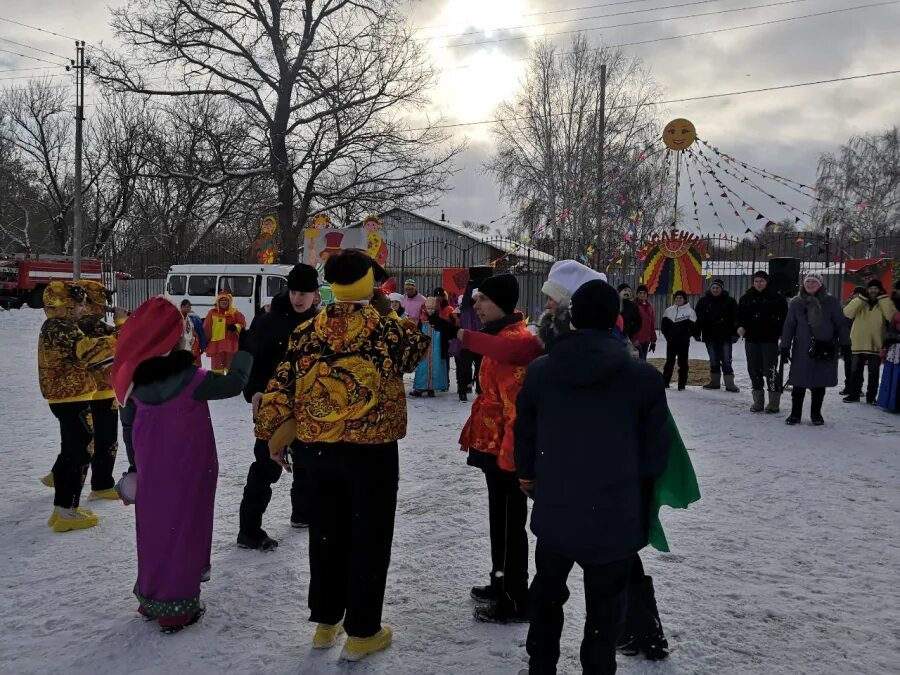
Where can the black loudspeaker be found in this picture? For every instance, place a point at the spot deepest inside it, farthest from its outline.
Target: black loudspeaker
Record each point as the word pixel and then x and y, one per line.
pixel 784 276
pixel 479 274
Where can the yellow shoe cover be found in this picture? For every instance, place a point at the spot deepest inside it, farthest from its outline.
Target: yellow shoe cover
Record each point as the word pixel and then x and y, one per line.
pixel 326 635
pixel 111 493
pixel 71 519
pixel 55 515
pixel 48 480
pixel 356 649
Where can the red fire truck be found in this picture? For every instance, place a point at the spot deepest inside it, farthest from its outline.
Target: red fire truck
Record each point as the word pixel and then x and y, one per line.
pixel 23 277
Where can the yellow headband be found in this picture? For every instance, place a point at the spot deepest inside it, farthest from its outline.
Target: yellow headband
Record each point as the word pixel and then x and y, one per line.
pixel 359 290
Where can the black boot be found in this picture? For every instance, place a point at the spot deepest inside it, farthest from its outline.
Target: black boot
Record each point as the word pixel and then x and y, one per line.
pixel 506 609
pixel 488 593
pixel 815 413
pixel 462 396
pixel 797 396
pixel 259 542
pixel 643 629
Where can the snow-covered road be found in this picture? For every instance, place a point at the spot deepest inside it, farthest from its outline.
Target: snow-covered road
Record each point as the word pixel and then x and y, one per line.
pixel 787 565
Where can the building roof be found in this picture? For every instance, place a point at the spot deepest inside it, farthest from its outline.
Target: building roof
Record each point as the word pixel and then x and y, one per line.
pixel 504 244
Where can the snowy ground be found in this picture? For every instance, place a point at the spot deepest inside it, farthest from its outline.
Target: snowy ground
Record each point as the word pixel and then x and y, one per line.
pixel 787 565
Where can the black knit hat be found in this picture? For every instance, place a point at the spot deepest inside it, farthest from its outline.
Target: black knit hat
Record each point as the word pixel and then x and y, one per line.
pixel 877 283
pixel 595 305
pixel 643 289
pixel 717 282
pixel 303 278
pixel 761 274
pixel 502 290
pixel 621 287
pixel 681 293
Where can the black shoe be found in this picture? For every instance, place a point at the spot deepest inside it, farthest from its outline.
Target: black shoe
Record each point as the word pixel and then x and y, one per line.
pixel 851 399
pixel 817 420
pixel 463 397
pixel 489 593
pixel 261 542
pixel 792 420
pixel 871 401
pixel 503 610
pixel 431 393
pixel 843 392
pixel 667 385
pixel 681 387
pixel 415 393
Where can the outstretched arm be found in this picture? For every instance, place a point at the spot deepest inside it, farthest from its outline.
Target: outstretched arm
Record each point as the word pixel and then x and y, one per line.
pixel 512 350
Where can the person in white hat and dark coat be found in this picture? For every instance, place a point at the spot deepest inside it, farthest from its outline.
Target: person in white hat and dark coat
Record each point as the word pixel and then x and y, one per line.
pixel 815 332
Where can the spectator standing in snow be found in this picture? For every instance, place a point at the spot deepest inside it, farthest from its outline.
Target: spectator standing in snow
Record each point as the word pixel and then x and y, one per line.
pixel 339 389
pixel 717 328
pixel 269 335
pixel 814 330
pixel 488 438
pixel 198 343
pixel 166 406
pixel 870 312
pixel 848 364
pixel 760 318
pixel 65 357
pixel 590 502
pixel 432 372
pixel 646 336
pixel 467 362
pixel 222 325
pixel 630 314
pixel 413 301
pixel 678 327
pixel 889 394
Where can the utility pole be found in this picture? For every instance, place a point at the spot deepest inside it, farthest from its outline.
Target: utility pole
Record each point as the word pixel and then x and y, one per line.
pixel 79 65
pixel 601 138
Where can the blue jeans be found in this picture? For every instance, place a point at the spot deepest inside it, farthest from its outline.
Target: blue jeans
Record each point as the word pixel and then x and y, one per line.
pixel 720 357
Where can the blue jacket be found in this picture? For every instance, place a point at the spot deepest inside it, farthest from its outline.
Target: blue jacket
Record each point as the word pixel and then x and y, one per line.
pixel 591 431
pixel 197 323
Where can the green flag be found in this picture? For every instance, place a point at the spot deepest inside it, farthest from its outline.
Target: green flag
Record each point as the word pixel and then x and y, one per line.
pixel 676 487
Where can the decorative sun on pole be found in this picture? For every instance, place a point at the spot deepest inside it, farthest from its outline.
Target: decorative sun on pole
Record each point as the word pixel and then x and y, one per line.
pixel 679 134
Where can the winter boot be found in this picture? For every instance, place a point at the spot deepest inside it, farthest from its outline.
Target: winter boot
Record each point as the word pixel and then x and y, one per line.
pixel 643 632
pixel 504 610
pixel 72 519
pixel 797 396
pixel 462 396
pixel 730 385
pixel 262 542
pixel 759 400
pixel 715 381
pixel 356 649
pixel 48 480
pixel 774 402
pixel 489 593
pixel 111 493
pixel 326 635
pixel 815 413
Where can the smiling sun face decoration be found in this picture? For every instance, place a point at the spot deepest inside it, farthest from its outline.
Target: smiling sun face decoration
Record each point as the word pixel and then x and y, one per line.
pixel 679 134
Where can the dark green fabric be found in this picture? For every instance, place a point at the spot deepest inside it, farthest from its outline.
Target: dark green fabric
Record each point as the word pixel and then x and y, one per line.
pixel 676 487
pixel 216 386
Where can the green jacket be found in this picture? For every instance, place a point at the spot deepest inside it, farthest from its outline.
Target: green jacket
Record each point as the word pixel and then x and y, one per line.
pixel 676 487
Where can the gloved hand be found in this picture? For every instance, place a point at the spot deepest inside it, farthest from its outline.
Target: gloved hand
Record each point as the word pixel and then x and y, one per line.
pixel 652 347
pixel 846 352
pixel 233 327
pixel 786 355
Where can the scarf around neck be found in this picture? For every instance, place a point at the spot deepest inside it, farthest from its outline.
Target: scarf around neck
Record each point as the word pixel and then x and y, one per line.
pixel 813 306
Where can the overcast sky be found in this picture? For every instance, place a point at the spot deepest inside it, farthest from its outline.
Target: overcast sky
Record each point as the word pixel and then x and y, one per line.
pixel 784 131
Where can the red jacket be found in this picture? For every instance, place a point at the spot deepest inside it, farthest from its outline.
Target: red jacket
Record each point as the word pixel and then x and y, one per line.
pixel 489 428
pixel 647 333
pixel 218 338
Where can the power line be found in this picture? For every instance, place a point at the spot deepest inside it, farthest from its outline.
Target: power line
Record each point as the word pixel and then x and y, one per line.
pixel 31 77
pixel 36 49
pixel 719 30
pixel 33 58
pixel 19 70
pixel 677 100
pixel 580 18
pixel 25 25
pixel 634 23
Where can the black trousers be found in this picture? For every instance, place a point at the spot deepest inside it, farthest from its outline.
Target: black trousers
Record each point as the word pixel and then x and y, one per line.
pixel 263 473
pixel 762 365
pixel 466 361
pixel 105 419
pixel 353 499
pixel 677 350
pixel 71 464
pixel 860 363
pixel 798 394
pixel 508 516
pixel 606 597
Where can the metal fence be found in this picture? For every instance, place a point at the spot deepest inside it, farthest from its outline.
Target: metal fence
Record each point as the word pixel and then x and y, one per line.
pixel 140 270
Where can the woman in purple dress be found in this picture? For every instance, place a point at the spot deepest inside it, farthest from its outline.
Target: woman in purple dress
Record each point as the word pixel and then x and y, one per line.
pixel 166 413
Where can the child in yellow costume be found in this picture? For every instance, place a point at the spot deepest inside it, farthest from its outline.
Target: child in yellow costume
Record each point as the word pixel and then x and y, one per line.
pixel 222 325
pixel 65 359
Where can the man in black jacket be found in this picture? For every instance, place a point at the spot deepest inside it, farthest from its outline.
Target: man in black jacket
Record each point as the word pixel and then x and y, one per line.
pixel 760 318
pixel 269 334
pixel 631 315
pixel 591 501
pixel 717 328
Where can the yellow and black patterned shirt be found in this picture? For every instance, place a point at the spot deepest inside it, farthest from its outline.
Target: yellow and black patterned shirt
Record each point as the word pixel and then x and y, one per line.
pixel 65 359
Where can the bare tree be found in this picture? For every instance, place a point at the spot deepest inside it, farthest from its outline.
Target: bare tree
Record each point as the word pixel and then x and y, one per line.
pixel 547 158
pixel 859 186
pixel 325 87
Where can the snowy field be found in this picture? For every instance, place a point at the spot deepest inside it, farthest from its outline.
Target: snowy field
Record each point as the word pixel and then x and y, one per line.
pixel 789 564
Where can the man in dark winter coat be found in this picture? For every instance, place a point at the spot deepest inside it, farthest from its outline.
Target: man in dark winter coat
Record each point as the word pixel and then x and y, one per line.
pixel 760 318
pixel 631 316
pixel 717 328
pixel 269 334
pixel 590 501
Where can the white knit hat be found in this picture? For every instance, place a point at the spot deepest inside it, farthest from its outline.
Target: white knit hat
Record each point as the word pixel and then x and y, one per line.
pixel 566 277
pixel 815 275
pixel 396 297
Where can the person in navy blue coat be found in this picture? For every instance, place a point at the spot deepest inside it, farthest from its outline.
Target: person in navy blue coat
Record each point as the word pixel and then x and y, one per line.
pixel 591 497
